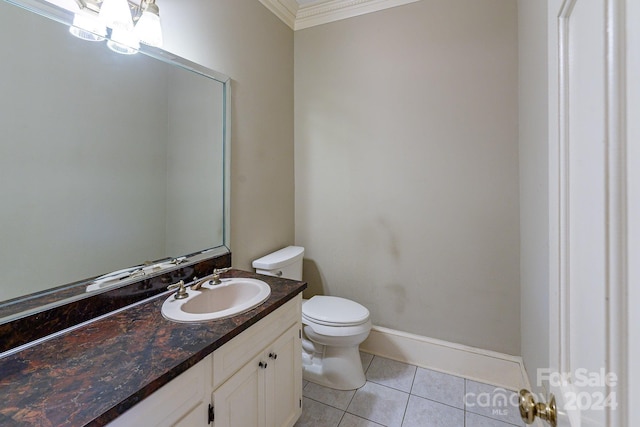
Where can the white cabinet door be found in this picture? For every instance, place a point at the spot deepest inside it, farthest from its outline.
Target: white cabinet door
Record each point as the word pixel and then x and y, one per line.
pixel 267 391
pixel 284 379
pixel 239 402
pixel 198 416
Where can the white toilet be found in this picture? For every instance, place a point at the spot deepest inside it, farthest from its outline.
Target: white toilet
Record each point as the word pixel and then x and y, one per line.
pixel 333 327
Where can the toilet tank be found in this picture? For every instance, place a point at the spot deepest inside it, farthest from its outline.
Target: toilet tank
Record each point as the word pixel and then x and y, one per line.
pixel 286 262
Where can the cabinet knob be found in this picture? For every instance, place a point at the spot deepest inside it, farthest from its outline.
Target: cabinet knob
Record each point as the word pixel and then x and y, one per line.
pixel 273 356
pixel 263 365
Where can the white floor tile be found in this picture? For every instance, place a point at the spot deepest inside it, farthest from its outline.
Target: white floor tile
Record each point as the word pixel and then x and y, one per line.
pixel 316 414
pixel 427 413
pixel 391 373
pixel 443 388
pixel 337 398
pixel 350 420
pixel 474 420
pixel 366 359
pixel 434 400
pixel 380 404
pixel 492 402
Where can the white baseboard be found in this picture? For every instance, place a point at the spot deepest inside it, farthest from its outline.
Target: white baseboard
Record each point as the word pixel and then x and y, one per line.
pixel 476 364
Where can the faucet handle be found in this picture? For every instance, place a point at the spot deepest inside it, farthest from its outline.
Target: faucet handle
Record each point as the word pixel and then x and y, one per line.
pixel 215 280
pixel 136 273
pixel 182 292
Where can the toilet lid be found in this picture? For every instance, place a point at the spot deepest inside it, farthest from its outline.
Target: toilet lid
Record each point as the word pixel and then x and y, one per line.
pixel 331 311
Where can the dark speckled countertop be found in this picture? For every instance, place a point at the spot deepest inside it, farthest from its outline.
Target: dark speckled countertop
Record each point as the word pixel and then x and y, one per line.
pixel 90 375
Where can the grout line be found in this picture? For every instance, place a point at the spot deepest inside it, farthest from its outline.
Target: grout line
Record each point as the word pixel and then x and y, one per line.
pixel 326 404
pixel 435 401
pixel 406 406
pixel 388 386
pixel 465 402
pixel 353 397
pixel 413 380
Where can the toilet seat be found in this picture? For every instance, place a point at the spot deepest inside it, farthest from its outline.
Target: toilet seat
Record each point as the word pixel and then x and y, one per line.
pixel 334 311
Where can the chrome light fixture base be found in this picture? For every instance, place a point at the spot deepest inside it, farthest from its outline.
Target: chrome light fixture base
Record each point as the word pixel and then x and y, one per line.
pixel 93 19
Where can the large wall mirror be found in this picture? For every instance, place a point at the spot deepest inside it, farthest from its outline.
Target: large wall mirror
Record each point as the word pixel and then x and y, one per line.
pixel 111 166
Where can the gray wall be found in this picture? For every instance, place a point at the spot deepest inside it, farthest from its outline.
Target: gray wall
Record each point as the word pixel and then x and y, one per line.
pixel 534 192
pixel 406 167
pixel 244 40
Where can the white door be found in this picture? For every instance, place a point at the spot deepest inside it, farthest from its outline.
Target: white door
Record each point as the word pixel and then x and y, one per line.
pixel 633 207
pixel 589 218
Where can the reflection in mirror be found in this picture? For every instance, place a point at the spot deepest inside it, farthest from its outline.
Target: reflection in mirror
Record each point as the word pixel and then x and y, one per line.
pixel 106 160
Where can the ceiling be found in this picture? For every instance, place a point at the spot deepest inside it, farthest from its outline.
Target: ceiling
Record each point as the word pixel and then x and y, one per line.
pixel 300 14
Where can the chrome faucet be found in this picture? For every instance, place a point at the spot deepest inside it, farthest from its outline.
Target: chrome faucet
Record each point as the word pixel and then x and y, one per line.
pixel 197 285
pixel 182 292
pixel 215 280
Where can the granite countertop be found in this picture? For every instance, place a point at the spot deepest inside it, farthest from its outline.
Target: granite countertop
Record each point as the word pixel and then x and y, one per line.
pixel 90 375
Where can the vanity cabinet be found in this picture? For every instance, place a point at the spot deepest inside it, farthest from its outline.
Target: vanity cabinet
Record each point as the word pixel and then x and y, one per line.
pixel 257 376
pixel 266 392
pixel 254 380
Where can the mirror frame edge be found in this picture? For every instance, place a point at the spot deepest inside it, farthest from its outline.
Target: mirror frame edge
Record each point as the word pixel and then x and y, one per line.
pixel 51 11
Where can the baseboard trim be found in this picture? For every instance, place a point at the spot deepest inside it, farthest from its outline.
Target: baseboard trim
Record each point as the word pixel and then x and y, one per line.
pixel 490 367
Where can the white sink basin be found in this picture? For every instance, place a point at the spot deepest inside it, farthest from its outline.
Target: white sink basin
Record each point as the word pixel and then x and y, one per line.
pixel 211 302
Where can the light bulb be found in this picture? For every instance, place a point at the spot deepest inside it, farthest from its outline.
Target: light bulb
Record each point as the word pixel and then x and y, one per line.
pixel 88 27
pixel 124 42
pixel 149 29
pixel 116 14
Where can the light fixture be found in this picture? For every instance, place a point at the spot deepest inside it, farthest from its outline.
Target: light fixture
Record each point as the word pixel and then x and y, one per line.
pixel 123 41
pixel 116 14
pixel 119 15
pixel 148 27
pixel 88 27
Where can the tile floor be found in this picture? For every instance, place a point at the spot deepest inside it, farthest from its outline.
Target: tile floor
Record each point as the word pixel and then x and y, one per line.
pixel 401 395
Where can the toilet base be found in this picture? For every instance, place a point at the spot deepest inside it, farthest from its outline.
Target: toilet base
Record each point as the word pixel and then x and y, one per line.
pixel 339 368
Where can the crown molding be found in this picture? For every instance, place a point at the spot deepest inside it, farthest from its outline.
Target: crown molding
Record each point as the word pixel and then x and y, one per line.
pixel 299 17
pixel 286 10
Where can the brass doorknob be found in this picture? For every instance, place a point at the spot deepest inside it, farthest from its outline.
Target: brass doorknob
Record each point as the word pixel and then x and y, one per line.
pixel 529 409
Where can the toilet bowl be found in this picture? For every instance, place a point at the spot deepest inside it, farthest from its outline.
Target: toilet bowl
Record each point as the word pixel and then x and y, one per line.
pixel 333 329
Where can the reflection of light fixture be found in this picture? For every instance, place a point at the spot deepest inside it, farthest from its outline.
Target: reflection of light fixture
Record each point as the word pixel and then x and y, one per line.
pixel 116 14
pixel 119 16
pixel 148 27
pixel 123 41
pixel 88 27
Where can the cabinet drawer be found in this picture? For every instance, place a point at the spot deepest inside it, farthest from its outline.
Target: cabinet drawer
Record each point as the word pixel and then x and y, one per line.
pixel 229 358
